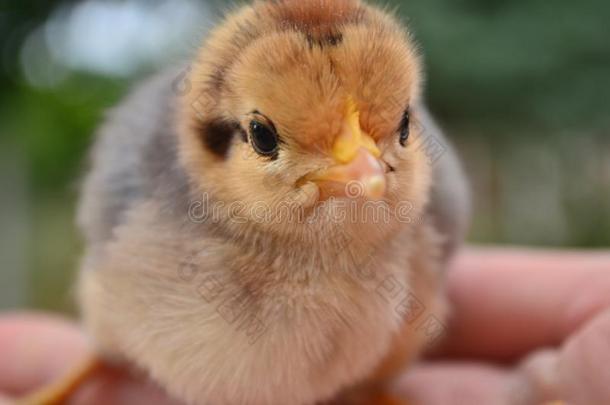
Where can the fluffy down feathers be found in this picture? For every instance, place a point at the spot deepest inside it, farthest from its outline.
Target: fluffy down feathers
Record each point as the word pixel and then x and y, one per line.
pixel 184 280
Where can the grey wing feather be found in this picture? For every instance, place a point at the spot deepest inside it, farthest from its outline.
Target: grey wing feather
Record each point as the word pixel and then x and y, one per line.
pixel 450 205
pixel 134 158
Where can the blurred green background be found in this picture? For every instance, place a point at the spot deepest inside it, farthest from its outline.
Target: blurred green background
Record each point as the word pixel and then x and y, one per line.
pixel 522 87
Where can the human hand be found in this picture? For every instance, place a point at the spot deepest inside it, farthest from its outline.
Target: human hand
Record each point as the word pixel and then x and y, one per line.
pixel 36 350
pixel 527 327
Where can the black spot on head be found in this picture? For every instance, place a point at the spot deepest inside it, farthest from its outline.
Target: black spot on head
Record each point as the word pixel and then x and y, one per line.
pixel 217 135
pixel 333 39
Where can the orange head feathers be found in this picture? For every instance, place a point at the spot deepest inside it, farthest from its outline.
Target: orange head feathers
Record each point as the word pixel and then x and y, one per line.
pixel 309 96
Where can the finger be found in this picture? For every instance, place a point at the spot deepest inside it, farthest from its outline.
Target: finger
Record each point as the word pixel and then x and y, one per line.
pixel 36 350
pixel 578 372
pixel 457 384
pixel 506 302
pixel 5 400
pixel 583 363
pixel 119 388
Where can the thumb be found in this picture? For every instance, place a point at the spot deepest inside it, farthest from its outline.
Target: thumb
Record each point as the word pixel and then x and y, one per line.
pixel 577 372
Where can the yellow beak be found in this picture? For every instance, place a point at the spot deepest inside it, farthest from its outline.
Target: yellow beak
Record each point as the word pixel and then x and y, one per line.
pixel 358 172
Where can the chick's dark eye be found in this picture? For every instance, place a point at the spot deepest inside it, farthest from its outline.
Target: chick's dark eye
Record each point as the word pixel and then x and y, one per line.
pixel 264 138
pixel 404 128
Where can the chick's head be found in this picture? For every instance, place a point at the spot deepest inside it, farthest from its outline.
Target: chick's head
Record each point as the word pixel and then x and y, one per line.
pixel 309 102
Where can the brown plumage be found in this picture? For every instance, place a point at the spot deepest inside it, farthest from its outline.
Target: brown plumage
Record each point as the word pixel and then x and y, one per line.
pixel 287 103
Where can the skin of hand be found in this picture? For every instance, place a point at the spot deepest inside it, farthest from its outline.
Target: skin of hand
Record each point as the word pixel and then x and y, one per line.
pixel 527 327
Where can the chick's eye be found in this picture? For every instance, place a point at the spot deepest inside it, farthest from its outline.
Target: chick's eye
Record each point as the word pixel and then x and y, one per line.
pixel 404 128
pixel 264 138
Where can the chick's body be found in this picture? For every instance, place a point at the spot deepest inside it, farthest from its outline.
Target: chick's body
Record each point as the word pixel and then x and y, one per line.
pixel 185 279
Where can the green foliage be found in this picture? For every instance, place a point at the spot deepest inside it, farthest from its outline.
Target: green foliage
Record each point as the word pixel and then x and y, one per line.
pixel 517 66
pixel 55 126
pixel 521 86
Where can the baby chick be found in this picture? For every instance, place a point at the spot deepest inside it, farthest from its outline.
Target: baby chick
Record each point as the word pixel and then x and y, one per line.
pixel 216 261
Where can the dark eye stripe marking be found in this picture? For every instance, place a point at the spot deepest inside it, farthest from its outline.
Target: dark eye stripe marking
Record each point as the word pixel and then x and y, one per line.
pixel 217 135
